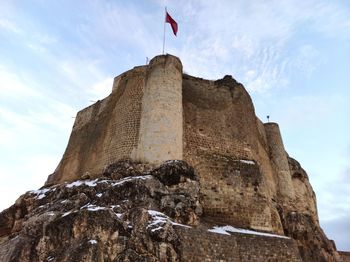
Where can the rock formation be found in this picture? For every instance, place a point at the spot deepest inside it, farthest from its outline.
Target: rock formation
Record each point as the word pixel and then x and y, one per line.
pixel 169 167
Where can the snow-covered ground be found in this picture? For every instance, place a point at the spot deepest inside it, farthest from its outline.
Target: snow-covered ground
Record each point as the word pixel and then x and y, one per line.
pixel 225 230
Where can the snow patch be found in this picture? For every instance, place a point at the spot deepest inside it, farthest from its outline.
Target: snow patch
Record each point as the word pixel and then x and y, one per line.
pixel 99 194
pixel 159 219
pixel 130 178
pixel 226 229
pixel 92 207
pixel 85 205
pixel 41 196
pixel 103 181
pixel 92 241
pixel 218 230
pixel 75 183
pixel 91 183
pixel 66 214
pixel 249 162
pixel 172 161
pixel 79 183
pixel 119 215
pixel 41 193
pixel 96 208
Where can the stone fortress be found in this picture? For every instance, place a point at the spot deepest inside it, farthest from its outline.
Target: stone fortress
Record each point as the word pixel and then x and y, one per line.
pixel 157 113
pixel 170 167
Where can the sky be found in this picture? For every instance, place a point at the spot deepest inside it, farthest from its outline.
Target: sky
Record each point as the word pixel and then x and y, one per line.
pixel 293 57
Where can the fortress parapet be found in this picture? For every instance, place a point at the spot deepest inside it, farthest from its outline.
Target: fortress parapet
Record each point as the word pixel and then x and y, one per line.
pixel 279 160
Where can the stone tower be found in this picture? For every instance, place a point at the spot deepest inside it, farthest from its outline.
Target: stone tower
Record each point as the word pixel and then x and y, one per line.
pixel 279 160
pixel 161 125
pixel 142 120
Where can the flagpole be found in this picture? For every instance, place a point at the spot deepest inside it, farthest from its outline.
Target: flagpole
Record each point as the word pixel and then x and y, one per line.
pixel 164 31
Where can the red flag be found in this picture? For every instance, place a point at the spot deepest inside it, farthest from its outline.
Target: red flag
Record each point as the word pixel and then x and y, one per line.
pixel 172 22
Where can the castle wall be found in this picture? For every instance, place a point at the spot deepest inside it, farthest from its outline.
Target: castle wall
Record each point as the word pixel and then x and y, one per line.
pixel 222 142
pixel 279 160
pixel 345 256
pixel 161 128
pixel 105 132
pixel 235 247
pixel 155 113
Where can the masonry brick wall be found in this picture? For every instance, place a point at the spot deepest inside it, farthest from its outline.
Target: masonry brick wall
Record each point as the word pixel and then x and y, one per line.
pixel 216 119
pixel 197 244
pixel 345 256
pixel 105 132
pixel 220 133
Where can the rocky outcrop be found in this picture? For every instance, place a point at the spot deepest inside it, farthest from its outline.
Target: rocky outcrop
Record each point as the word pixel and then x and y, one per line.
pixel 312 243
pixel 140 212
pixel 300 221
pixel 127 214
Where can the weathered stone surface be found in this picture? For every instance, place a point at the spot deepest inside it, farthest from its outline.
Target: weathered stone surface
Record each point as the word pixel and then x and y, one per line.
pixel 305 198
pixel 345 256
pixel 312 242
pixel 179 172
pixel 300 221
pixel 105 132
pixel 161 128
pixel 127 219
pixel 234 247
pixel 148 216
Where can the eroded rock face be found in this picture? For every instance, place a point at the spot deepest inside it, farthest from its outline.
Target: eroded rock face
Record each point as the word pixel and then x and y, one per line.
pixel 312 243
pixel 300 220
pixel 138 212
pixel 116 217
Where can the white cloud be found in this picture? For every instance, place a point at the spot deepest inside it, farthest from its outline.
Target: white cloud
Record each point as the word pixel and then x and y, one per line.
pixel 307 59
pixel 309 111
pixel 29 172
pixel 9 26
pixel 11 84
pixel 236 37
pixel 101 89
pixel 45 39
